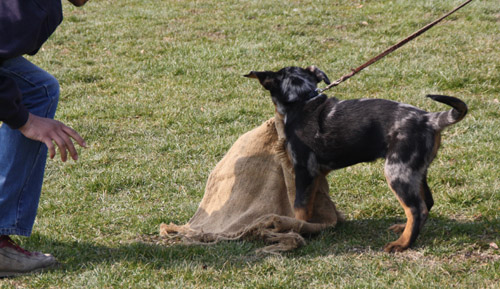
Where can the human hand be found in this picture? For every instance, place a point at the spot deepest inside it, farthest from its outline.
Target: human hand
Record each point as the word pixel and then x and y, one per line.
pixel 48 131
pixel 78 2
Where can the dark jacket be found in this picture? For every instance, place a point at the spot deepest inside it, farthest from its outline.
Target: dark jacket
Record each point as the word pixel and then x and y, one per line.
pixel 24 26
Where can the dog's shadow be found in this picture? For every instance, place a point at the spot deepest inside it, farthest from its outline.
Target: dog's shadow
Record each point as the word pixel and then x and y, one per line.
pixel 373 234
pixel 350 236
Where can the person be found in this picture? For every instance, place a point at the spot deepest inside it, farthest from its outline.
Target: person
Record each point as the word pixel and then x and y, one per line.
pixel 28 101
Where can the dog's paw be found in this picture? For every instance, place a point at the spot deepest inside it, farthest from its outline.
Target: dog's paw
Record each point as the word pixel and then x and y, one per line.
pixel 397 228
pixel 302 214
pixel 394 247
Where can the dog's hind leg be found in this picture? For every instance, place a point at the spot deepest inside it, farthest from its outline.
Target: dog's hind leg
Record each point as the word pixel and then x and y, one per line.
pixel 425 191
pixel 305 193
pixel 426 194
pixel 406 184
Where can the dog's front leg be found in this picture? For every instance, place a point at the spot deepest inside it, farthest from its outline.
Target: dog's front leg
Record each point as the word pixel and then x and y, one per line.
pixel 306 185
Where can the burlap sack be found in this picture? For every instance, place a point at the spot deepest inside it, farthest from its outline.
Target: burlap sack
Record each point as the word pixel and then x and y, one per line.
pixel 250 194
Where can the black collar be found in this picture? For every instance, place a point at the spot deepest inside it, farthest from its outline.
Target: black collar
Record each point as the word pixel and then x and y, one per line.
pixel 313 94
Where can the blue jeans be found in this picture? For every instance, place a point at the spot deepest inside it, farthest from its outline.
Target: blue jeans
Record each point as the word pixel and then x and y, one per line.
pixel 22 160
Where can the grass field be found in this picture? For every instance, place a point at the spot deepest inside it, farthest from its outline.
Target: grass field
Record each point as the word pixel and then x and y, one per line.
pixel 156 89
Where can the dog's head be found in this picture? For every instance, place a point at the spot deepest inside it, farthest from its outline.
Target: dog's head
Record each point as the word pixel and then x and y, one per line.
pixel 290 84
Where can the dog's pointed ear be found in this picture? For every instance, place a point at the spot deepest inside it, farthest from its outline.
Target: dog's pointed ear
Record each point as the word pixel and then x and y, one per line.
pixel 266 78
pixel 320 75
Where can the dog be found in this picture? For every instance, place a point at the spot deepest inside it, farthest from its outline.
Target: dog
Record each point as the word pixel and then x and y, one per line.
pixel 325 134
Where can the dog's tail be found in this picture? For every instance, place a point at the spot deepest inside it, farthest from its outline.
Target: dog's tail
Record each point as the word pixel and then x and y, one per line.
pixel 442 119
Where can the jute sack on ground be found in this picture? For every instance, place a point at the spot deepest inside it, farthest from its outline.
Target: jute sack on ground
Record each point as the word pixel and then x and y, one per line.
pixel 250 195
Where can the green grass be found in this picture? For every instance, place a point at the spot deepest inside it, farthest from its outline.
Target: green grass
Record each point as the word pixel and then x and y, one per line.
pixel 156 89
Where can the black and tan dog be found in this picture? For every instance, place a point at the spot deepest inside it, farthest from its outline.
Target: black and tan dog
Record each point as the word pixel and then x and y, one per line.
pixel 325 134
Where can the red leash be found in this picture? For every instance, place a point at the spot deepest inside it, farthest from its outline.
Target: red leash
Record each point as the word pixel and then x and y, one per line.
pixel 391 49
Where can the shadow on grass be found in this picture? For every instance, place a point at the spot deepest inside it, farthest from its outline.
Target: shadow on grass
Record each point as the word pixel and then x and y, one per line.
pixel 373 234
pixel 76 255
pixel 351 236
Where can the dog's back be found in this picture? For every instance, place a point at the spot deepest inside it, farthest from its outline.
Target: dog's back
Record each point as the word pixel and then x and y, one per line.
pixel 343 133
